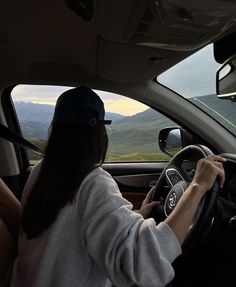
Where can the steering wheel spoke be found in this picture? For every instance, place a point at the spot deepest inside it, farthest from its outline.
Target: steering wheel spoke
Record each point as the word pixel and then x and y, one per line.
pixel 174 175
pixel 174 196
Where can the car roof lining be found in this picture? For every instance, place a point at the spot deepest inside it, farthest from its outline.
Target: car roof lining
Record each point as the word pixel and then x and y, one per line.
pixel 69 50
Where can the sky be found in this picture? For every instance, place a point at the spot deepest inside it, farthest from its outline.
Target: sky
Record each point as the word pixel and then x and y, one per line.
pixel 193 77
pixel 49 94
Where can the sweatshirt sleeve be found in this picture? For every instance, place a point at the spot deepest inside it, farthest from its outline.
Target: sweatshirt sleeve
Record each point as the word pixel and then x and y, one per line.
pixel 129 249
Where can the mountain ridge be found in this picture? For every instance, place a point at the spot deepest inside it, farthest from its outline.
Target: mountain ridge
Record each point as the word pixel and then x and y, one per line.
pixel 137 133
pixel 43 113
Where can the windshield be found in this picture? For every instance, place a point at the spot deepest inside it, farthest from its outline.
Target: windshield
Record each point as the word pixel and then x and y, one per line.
pixel 195 79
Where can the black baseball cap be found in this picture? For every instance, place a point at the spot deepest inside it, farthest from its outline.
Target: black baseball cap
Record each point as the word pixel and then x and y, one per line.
pixel 72 103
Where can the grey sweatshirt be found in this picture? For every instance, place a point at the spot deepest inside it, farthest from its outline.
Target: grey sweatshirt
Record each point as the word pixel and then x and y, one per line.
pixel 97 238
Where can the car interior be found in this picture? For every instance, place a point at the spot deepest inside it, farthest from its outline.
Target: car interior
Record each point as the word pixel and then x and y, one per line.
pixel 174 58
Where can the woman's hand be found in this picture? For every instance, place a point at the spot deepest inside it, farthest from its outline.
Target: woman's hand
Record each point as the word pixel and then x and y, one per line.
pixel 208 170
pixel 148 204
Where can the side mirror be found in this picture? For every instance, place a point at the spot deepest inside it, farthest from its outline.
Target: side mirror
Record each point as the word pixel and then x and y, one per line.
pixel 173 139
pixel 226 80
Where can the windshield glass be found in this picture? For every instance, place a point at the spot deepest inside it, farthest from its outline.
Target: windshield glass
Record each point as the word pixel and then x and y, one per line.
pixel 195 79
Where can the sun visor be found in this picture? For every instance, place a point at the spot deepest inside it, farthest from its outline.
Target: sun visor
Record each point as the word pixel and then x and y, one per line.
pixel 127 63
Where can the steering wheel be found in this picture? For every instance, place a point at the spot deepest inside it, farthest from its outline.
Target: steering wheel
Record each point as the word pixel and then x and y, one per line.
pixel 178 179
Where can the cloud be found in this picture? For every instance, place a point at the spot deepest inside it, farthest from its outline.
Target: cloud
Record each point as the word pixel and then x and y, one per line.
pixel 49 94
pixel 38 94
pixel 120 104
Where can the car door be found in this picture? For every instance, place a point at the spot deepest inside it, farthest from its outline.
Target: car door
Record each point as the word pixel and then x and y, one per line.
pixel 135 179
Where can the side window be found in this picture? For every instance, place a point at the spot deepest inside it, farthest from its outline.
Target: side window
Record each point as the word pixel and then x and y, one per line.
pixel 132 134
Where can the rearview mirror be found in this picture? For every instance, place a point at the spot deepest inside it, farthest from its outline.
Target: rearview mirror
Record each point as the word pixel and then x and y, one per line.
pixel 226 80
pixel 173 139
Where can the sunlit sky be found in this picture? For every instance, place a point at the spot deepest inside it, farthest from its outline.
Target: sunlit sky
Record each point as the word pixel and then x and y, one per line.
pixel 49 94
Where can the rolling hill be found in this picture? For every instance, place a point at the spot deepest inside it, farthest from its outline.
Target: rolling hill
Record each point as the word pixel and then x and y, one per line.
pixel 36 118
pixel 137 134
pixel 130 134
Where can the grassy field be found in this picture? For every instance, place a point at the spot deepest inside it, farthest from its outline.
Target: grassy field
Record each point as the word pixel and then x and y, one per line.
pixel 111 157
pixel 131 142
pixel 133 157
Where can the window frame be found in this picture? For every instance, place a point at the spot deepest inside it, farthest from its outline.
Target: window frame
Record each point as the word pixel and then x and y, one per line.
pixel 13 124
pixel 13 121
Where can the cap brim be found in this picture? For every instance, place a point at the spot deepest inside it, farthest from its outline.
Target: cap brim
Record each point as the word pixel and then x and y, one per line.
pixel 106 122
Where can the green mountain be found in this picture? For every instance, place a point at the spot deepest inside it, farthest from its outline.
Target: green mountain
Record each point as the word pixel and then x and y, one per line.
pixel 41 113
pixel 138 133
pixel 35 119
pixel 221 110
pixel 129 137
pixel 134 136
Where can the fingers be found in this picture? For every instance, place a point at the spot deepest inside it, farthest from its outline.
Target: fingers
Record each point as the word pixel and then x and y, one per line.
pixel 149 195
pixel 221 175
pixel 154 203
pixel 208 169
pixel 214 157
pixel 219 169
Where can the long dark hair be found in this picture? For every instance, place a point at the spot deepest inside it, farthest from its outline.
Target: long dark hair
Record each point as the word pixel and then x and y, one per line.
pixel 71 153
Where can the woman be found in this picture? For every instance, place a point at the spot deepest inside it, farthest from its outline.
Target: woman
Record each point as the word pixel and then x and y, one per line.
pixel 77 229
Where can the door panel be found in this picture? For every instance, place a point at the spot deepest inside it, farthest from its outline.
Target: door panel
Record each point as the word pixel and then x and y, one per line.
pixel 135 179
